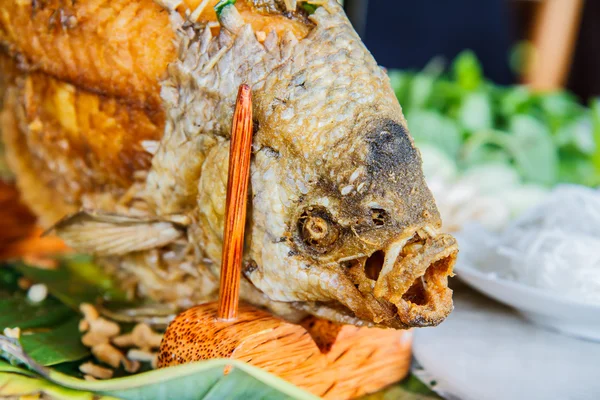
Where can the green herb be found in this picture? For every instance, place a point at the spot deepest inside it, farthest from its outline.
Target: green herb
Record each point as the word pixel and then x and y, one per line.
pixel 467 71
pixel 56 345
pixel 17 311
pixel 549 138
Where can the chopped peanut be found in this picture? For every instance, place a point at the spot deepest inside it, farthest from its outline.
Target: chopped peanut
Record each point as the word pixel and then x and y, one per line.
pixel 141 336
pixel 89 311
pixel 104 327
pixel 108 354
pixel 99 332
pixel 92 339
pixel 131 366
pixel 96 371
pixel 84 325
pixel 140 355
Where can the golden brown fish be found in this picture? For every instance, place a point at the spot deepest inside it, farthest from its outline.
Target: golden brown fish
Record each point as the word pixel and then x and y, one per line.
pixel 341 223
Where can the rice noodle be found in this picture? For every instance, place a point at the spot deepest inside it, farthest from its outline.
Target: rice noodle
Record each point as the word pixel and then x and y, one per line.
pixel 554 246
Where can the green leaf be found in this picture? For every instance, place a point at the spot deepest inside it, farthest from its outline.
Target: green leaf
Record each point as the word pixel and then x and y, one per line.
pixel 77 280
pixel 533 150
pixel 18 311
pixel 515 100
pixel 467 70
pixel 559 108
pixel 409 389
pixel 56 345
pixel 476 112
pixel 483 148
pixel 401 84
pixel 447 98
pixel 433 128
pixel 7 367
pixel 17 385
pixel 595 111
pixel 200 380
pixel 578 170
pixel 421 89
pixel 560 104
pixel 9 279
pixel 577 135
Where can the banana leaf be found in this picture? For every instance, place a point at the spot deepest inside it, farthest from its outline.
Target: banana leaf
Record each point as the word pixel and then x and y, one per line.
pixel 200 380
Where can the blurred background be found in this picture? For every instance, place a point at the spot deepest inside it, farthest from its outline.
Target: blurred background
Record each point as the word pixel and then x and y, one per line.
pixel 407 34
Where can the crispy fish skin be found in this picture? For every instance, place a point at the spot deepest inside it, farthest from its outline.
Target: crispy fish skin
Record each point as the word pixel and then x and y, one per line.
pixel 80 143
pixel 43 200
pixel 119 48
pixel 341 223
pixel 115 47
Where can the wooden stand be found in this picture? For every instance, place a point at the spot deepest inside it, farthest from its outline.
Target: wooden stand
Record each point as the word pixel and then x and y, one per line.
pixel 351 361
pixel 330 360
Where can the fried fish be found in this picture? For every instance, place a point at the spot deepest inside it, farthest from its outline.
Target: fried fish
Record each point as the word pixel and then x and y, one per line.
pixel 123 110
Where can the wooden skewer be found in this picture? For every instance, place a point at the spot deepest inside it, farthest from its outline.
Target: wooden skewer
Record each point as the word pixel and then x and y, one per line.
pixel 235 213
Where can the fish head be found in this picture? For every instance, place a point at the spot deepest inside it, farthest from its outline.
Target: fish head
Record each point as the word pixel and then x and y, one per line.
pixel 342 222
pixel 371 222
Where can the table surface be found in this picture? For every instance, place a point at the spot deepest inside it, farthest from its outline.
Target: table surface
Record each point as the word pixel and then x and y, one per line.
pixel 485 350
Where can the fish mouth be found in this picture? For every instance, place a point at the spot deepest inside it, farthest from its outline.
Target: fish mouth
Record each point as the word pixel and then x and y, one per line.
pixel 406 283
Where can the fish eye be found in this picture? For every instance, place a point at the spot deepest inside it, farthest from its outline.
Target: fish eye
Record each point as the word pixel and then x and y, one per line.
pixel 379 216
pixel 317 229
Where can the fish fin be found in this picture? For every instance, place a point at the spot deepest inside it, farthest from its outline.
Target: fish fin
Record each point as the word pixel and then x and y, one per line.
pixel 107 234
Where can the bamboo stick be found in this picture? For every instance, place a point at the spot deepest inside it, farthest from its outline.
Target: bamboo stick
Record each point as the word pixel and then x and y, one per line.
pixel 235 213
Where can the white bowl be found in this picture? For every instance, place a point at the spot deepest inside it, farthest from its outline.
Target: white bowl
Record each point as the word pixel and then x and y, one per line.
pixel 543 308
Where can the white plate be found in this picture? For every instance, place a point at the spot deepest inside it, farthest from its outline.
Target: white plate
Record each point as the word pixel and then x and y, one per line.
pixel 546 309
pixel 487 351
